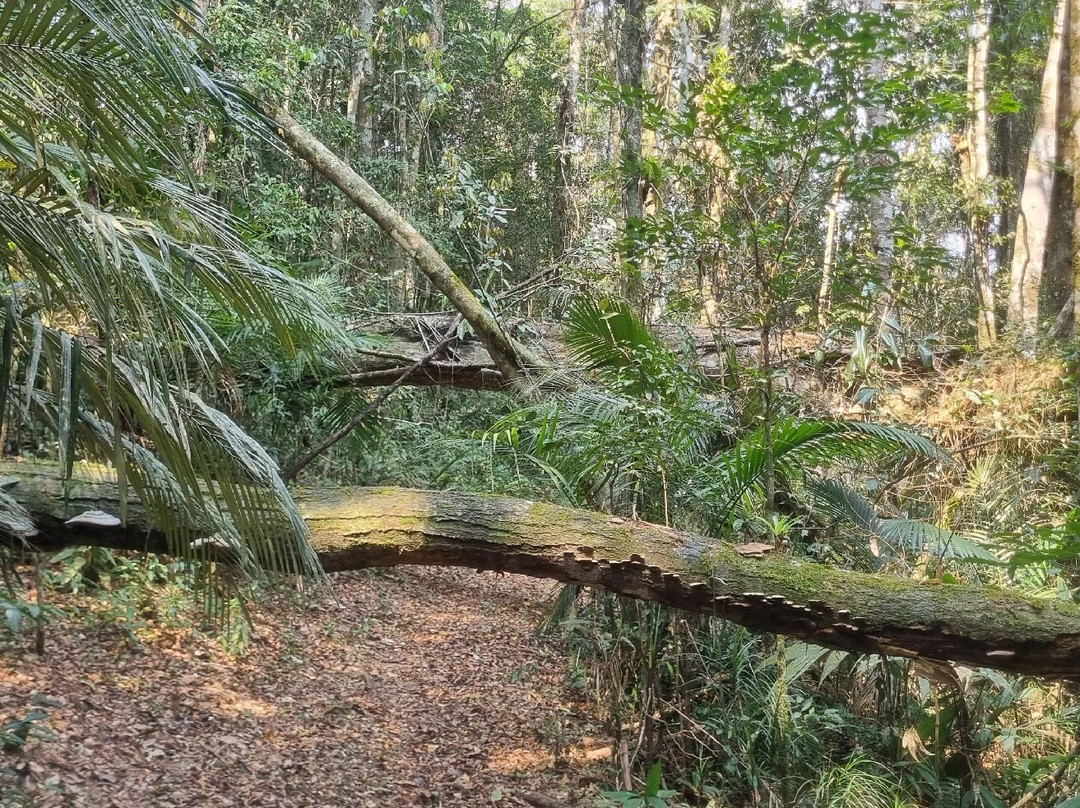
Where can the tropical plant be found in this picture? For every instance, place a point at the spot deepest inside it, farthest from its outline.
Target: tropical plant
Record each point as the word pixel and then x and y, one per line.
pixel 15 733
pixel 651 796
pixel 115 263
pixel 640 434
pixel 858 783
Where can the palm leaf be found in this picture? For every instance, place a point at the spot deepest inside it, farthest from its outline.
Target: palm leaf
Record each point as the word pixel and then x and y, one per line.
pixel 113 78
pixel 104 90
pixel 609 339
pixel 926 538
pixel 204 477
pixel 798 445
pixel 846 505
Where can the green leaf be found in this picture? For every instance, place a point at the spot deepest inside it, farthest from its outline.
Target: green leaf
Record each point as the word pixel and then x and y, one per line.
pixel 654 779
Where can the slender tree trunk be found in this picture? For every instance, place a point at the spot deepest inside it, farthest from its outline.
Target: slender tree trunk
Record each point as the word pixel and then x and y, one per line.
pixel 566 135
pixel 882 205
pixel 1057 276
pixel 1033 223
pixel 399 269
pixel 686 59
pixel 360 82
pixel 1072 161
pixel 203 132
pixel 629 71
pixel 725 24
pixel 611 46
pixel 1006 171
pixel 709 274
pixel 420 138
pixel 973 151
pixel 507 355
pixel 828 261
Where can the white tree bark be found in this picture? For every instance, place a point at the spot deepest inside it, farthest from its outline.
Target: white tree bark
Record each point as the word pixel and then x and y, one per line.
pixel 1033 223
pixel 973 151
pixel 828 261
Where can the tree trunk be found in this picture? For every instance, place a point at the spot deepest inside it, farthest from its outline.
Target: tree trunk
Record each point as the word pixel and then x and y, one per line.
pixel 611 29
pixel 417 122
pixel 466 365
pixel 352 528
pixel 360 82
pixel 1072 161
pixel 828 262
pixel 882 204
pixel 686 61
pixel 507 355
pixel 725 24
pixel 1005 171
pixel 1033 223
pixel 629 71
pixel 973 151
pixel 565 135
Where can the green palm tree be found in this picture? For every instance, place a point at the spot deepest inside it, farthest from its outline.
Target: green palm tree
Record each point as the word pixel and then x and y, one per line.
pixel 114 262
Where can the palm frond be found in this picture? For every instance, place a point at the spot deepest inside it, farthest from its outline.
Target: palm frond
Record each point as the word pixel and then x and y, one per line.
pixel 926 538
pixel 846 505
pixel 798 445
pixel 115 268
pixel 609 339
pixel 607 334
pixel 111 78
pixel 204 475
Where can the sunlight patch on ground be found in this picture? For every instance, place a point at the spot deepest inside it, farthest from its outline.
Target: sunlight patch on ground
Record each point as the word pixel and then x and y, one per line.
pixel 518 761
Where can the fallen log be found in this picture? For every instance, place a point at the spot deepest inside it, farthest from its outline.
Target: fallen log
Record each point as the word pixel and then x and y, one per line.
pixel 402 338
pixel 353 528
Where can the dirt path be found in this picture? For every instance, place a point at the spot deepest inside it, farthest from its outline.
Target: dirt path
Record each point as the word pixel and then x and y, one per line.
pixel 425 687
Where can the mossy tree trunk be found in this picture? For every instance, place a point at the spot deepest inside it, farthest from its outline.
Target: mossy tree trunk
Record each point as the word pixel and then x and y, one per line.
pixel 353 528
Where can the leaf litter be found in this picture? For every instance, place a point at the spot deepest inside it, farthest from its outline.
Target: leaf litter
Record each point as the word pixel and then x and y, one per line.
pixel 420 687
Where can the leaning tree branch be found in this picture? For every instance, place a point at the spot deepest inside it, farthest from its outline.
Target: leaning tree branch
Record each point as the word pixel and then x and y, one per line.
pixel 508 356
pixel 353 528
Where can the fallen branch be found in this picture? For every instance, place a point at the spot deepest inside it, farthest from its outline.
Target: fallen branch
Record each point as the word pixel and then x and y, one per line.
pixel 507 355
pixel 357 419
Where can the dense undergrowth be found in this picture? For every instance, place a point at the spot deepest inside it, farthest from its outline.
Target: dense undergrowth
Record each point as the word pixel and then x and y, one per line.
pixel 734 718
pixel 802 172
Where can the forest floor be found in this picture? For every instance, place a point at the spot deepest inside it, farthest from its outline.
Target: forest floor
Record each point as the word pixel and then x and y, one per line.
pixel 421 687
